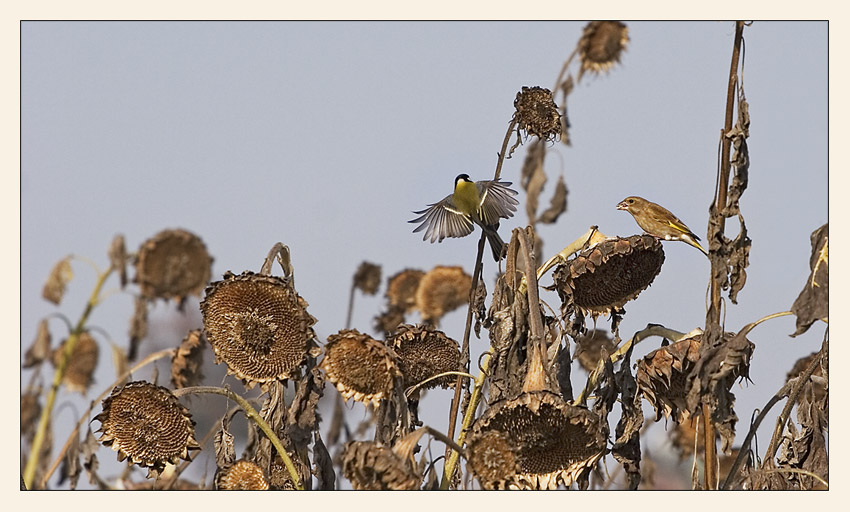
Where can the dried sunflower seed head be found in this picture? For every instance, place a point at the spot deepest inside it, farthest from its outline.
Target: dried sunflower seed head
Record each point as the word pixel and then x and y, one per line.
pixel 172 265
pixel 370 466
pixel 536 113
pixel 81 365
pixel 601 45
pixel 146 424
pixel 662 377
pixel 187 361
pixel 424 352
pixel 401 289
pixel 242 475
pixel 603 277
pixel 589 349
pixel 258 325
pixel 360 367
pixel 442 290
pixel 368 278
pixel 535 441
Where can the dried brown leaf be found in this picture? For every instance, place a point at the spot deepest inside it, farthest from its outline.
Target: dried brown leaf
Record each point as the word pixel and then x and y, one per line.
pixel 532 177
pixel 118 258
pixel 813 302
pixel 557 205
pixel 57 281
pixel 138 327
pixel 40 348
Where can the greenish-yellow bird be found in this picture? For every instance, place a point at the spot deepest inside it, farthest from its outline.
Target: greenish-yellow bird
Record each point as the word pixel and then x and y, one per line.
pixel 480 202
pixel 658 221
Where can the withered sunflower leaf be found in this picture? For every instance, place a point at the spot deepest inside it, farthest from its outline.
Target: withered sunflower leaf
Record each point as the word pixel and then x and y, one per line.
pixel 813 302
pixel 558 204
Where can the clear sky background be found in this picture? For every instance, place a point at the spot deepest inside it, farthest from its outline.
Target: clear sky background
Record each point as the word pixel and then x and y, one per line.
pixel 326 135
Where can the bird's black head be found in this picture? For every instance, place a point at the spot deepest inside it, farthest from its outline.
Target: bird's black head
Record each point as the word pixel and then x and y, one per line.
pixel 462 177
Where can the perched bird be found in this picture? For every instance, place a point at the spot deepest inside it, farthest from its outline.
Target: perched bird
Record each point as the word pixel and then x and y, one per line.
pixel 659 221
pixel 480 202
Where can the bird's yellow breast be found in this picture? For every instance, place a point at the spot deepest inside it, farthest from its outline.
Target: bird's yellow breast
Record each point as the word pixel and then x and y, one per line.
pixel 466 198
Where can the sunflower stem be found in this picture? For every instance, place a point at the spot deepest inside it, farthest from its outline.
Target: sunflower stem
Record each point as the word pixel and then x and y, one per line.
pixel 251 414
pixel 58 375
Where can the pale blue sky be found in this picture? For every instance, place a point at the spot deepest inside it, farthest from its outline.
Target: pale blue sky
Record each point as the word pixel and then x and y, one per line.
pixel 325 135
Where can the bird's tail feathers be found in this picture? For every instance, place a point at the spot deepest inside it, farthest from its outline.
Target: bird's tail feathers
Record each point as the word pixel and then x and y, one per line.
pixel 497 245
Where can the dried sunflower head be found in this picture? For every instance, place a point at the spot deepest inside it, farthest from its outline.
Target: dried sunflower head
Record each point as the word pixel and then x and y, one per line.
pixel 603 277
pixel 187 361
pixel 401 289
pixel 535 441
pixel 242 475
pixel 441 290
pixel 589 348
pixel 172 265
pixel 424 352
pixel 662 377
pixel 360 367
pixel 258 325
pixel 601 45
pixel 368 278
pixel 81 365
pixel 370 466
pixel 146 424
pixel 536 113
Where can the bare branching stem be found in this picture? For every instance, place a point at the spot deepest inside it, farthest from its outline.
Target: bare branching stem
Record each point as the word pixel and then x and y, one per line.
pixel 58 375
pixel 251 414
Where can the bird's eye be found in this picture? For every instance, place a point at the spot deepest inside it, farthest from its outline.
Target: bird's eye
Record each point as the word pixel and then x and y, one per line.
pixel 631 201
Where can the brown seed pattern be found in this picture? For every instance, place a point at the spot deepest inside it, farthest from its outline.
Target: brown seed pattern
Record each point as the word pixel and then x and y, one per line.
pixel 551 441
pixel 146 424
pixel 360 367
pixel 257 325
pixel 424 352
pixel 172 265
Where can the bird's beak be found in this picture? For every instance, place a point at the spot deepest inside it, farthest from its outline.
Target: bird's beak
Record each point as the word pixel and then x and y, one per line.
pixel 622 206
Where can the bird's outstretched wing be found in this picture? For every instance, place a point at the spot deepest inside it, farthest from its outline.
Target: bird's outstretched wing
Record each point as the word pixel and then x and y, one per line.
pixel 497 201
pixel 441 220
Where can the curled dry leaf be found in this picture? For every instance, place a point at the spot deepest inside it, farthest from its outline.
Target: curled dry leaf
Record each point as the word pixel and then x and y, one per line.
pixel 813 302
pixel 557 205
pixel 187 361
pixel 57 281
pixel 40 348
pixel 138 326
pixel 118 258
